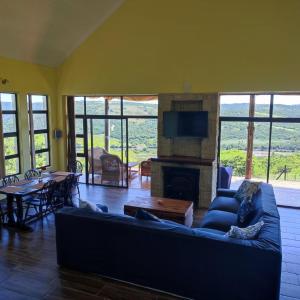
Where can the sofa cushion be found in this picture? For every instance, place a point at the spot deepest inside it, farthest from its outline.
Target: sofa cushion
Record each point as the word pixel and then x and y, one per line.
pixel 247 233
pixel 247 189
pixel 210 231
pixel 142 214
pixel 245 212
pixel 90 206
pixel 229 204
pixel 220 220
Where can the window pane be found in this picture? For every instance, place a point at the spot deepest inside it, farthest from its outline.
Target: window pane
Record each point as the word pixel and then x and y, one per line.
pixel 78 126
pixel 114 105
pixel 42 159
pixel 140 106
pixel 79 145
pixel 286 106
pixel 79 105
pixel 234 105
pixel 233 149
pixel 8 101
pixel 142 137
pixel 95 106
pixel 39 121
pixel 40 141
pixel 9 123
pixel 39 102
pixel 10 146
pixel 262 105
pixel 12 166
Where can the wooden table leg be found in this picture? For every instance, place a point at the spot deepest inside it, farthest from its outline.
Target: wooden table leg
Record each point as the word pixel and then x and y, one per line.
pixel 20 223
pixel 10 210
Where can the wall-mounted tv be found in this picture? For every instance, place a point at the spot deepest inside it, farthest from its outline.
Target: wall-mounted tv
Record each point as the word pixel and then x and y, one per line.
pixel 185 124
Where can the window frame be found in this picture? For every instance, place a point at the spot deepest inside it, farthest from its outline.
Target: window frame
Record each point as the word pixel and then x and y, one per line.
pixel 15 134
pixel 46 131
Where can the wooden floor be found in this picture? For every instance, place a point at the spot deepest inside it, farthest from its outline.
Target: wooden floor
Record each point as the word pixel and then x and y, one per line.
pixel 28 268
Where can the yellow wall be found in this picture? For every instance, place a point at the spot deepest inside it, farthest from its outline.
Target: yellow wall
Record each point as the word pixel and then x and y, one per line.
pixel 154 46
pixel 214 45
pixel 27 78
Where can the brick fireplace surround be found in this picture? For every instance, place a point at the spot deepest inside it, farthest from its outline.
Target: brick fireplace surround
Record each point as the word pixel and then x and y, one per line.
pixel 194 153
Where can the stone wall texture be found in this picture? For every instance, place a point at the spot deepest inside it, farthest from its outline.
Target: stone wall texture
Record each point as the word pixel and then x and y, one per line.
pixel 205 148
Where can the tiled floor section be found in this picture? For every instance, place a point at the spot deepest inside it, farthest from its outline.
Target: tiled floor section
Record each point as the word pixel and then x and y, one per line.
pixel 28 268
pixel 290 234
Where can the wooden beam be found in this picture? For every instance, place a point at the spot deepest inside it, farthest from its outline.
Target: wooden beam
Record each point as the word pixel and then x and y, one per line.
pixel 106 125
pixel 250 138
pixel 2 157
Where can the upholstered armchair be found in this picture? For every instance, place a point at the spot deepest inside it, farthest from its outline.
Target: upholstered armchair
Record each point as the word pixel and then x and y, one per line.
pixel 145 168
pixel 225 175
pixel 97 152
pixel 112 169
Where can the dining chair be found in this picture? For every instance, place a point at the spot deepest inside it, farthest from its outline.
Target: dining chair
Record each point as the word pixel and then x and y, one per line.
pixel 3 211
pixel 42 202
pixel 76 168
pixel 63 194
pixel 9 180
pixel 32 173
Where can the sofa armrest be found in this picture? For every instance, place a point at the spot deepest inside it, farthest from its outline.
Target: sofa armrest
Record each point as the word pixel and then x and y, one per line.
pixel 226 192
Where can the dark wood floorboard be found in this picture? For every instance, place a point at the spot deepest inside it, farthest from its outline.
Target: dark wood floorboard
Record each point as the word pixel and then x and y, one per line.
pixel 28 268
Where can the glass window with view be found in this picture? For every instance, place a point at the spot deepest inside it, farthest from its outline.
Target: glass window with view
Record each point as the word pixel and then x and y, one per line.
pixel 260 140
pixel 106 113
pixel 38 130
pixel 10 126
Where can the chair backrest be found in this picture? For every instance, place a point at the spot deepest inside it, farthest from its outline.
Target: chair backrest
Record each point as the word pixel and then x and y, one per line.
pixel 77 167
pixel 10 179
pixel 225 175
pixel 31 174
pixel 97 152
pixel 49 189
pixel 110 163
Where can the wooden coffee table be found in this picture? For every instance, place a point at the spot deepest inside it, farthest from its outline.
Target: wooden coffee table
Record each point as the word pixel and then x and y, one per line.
pixel 179 211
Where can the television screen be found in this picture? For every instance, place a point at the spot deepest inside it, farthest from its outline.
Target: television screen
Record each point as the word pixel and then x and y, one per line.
pixel 185 124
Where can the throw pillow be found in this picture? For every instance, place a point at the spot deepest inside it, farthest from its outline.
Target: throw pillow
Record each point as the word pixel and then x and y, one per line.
pixel 245 212
pixel 247 233
pixel 90 206
pixel 142 214
pixel 104 208
pixel 246 189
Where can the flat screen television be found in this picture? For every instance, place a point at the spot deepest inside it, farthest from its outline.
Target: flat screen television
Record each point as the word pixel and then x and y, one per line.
pixel 185 124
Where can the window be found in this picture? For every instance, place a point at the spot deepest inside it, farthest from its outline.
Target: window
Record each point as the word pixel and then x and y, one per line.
pixel 10 133
pixel 39 130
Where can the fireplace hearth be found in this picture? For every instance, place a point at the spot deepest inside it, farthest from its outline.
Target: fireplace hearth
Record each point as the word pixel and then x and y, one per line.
pixel 181 183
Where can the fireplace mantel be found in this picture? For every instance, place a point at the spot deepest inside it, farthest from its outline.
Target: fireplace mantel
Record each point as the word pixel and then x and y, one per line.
pixel 184 160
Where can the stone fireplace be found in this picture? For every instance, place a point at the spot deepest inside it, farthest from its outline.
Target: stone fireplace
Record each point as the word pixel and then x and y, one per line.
pixel 181 183
pixel 186 167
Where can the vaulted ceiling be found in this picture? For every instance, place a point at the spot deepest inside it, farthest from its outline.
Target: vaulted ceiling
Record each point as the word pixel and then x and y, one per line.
pixel 47 31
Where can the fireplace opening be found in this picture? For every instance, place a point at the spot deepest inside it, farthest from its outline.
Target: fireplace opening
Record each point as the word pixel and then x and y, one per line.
pixel 181 183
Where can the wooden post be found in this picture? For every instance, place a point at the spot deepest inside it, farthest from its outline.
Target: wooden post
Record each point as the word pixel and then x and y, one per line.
pixel 71 133
pixel 106 124
pixel 2 157
pixel 32 144
pixel 250 138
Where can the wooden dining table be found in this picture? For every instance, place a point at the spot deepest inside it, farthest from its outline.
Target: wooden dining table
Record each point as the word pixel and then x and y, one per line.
pixel 18 190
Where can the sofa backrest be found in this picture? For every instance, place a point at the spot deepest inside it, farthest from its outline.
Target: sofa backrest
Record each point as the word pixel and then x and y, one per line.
pixel 167 256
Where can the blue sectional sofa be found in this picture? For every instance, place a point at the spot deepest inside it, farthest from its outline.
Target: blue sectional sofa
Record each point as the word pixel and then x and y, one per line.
pixel 199 263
